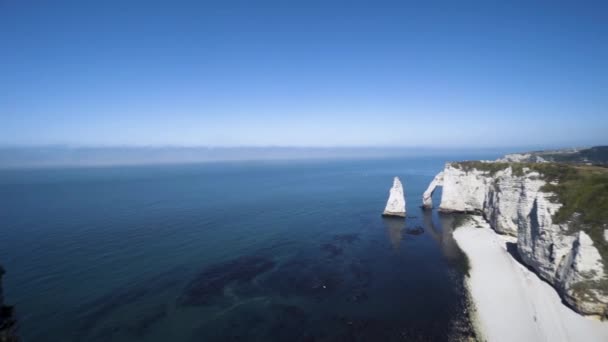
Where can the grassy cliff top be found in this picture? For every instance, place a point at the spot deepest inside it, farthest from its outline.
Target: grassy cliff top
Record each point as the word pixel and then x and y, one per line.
pixel 581 189
pixel 597 155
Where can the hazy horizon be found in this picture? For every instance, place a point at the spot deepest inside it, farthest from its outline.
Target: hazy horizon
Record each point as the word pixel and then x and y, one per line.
pixel 85 156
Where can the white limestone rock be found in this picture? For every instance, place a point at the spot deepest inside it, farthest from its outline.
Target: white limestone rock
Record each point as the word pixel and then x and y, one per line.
pixel 496 196
pixel 567 260
pixel 541 243
pixel 522 158
pixel 427 197
pixel 502 199
pixel 395 206
pixel 463 191
pixel 515 205
pixel 579 277
pixel 515 157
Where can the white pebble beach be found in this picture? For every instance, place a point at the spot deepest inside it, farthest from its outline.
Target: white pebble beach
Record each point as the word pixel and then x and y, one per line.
pixel 512 303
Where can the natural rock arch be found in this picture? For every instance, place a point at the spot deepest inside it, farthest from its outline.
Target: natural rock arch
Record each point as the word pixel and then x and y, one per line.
pixel 427 197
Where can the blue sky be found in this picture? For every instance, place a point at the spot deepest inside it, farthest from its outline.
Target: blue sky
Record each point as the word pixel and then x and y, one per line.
pixel 313 73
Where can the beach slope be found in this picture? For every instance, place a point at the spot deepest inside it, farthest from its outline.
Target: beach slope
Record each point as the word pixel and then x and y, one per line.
pixel 512 303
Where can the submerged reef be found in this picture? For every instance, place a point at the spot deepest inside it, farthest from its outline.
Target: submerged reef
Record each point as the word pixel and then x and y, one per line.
pixel 211 282
pixel 103 308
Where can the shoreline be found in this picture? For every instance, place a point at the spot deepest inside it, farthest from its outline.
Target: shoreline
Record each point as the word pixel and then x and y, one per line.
pixel 511 302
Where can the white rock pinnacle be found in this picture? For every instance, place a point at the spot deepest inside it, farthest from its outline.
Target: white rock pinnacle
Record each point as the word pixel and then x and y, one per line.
pixel 395 206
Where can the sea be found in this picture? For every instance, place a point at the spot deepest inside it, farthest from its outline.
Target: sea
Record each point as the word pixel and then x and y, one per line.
pixel 231 251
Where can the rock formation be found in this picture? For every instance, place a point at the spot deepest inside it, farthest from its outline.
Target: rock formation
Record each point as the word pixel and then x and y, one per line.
pixel 395 206
pixel 427 197
pixel 8 322
pixel 514 203
pixel 474 191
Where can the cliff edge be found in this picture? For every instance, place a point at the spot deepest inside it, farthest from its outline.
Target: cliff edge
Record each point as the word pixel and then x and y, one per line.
pixel 558 212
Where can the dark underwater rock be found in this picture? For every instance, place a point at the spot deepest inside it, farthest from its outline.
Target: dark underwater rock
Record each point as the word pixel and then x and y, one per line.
pixel 306 278
pixel 361 279
pixel 320 280
pixel 414 231
pixel 210 283
pixel 350 328
pixel 358 296
pixel 8 324
pixel 136 328
pixel 8 319
pixel 93 312
pixel 258 321
pixel 147 320
pixel 362 276
pixel 346 238
pixel 331 250
pixel 335 247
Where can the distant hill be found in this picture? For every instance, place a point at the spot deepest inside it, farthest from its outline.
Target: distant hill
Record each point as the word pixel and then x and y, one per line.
pixel 597 155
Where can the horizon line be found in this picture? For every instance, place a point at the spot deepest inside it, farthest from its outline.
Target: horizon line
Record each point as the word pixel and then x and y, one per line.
pixel 201 146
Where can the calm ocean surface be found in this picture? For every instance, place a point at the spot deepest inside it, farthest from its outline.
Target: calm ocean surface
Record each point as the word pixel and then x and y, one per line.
pixel 263 251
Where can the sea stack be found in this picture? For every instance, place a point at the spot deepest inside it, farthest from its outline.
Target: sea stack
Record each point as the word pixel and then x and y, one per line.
pixel 395 206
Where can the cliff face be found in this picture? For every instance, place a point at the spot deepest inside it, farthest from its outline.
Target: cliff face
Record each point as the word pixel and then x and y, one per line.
pixel 474 191
pixel 514 204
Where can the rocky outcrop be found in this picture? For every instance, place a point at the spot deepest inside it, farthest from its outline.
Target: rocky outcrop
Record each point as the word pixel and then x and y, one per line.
pixel 514 204
pixel 580 277
pixel 427 197
pixel 395 206
pixel 474 191
pixel 8 322
pixel 463 191
pixel 522 158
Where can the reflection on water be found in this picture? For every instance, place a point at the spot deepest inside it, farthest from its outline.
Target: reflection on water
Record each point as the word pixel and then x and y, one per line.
pixel 440 233
pixel 444 237
pixel 394 227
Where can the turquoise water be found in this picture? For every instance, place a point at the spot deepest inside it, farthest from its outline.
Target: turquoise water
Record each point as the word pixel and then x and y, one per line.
pixel 229 251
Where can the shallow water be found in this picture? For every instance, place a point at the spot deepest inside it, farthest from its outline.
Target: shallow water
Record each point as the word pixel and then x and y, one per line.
pixel 229 251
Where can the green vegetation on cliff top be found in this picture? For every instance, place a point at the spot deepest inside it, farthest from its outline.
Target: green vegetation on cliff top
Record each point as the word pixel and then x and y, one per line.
pixel 597 155
pixel 582 191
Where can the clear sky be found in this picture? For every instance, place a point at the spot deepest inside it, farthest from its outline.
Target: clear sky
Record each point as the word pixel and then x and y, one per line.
pixel 304 73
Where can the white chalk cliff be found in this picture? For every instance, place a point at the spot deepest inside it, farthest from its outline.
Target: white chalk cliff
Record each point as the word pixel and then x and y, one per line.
pixel 515 205
pixel 395 206
pixel 427 200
